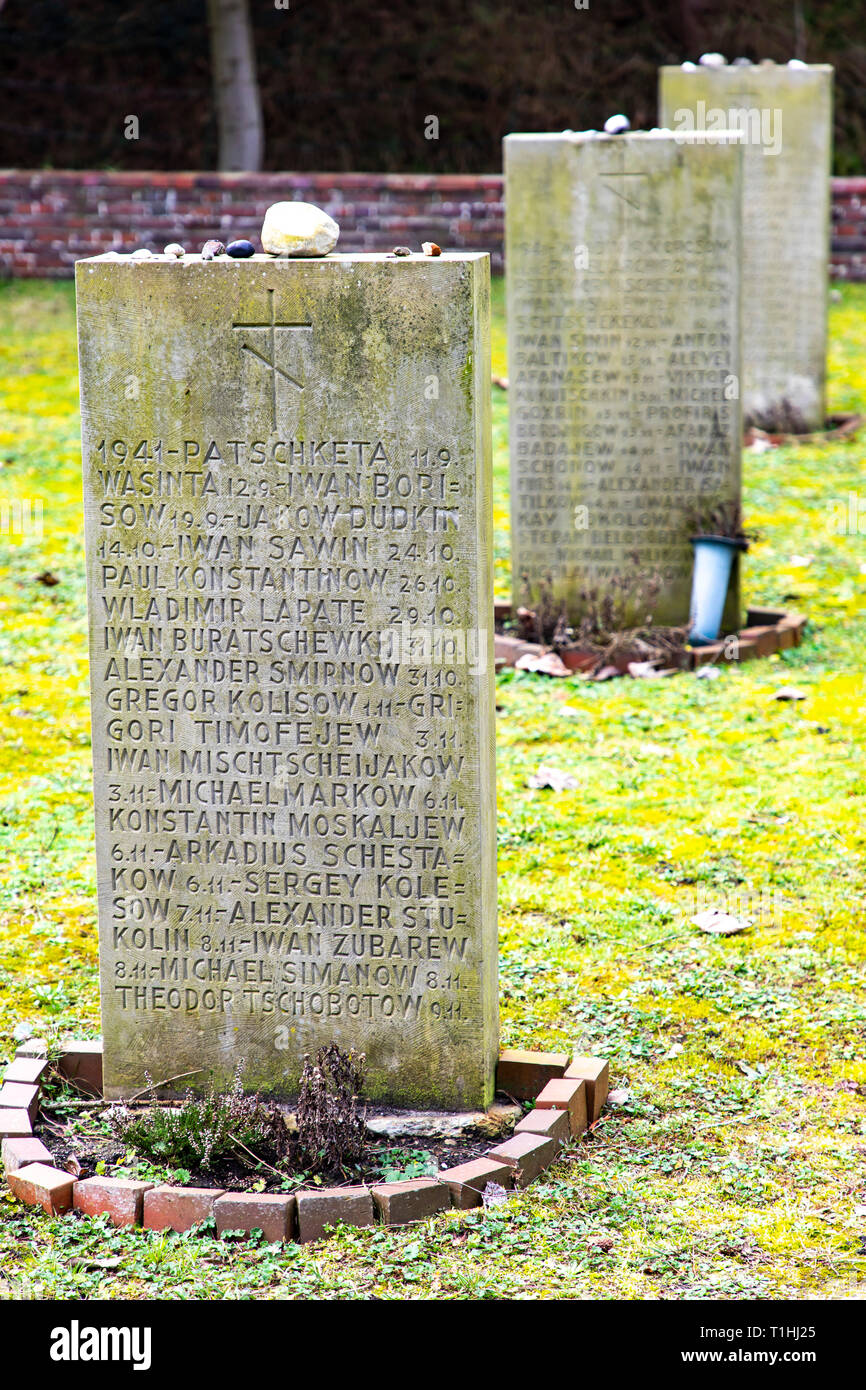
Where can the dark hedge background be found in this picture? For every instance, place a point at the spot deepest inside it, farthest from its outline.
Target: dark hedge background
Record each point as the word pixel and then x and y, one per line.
pixel 347 86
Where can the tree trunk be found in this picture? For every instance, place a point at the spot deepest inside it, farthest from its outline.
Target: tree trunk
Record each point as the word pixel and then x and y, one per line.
pixel 236 89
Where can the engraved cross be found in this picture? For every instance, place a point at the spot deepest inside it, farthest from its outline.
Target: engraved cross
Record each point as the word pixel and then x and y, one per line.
pixel 628 191
pixel 270 361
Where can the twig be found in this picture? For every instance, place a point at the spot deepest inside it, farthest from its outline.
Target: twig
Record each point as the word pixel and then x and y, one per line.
pixel 270 1166
pixel 155 1085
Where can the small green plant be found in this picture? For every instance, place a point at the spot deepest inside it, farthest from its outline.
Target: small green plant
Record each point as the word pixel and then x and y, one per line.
pixel 720 519
pixel 397 1165
pixel 202 1130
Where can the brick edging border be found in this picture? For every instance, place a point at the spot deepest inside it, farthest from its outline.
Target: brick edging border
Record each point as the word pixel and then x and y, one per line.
pixel 568 1093
pixel 767 631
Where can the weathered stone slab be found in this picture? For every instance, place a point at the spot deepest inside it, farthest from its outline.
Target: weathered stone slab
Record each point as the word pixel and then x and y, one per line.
pixel 622 261
pixel 786 114
pixel 287 484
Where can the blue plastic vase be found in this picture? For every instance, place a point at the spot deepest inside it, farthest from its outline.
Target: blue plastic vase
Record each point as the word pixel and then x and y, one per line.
pixel 714 556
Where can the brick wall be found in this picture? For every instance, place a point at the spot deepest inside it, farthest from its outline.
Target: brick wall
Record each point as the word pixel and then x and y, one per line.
pixel 848 244
pixel 48 220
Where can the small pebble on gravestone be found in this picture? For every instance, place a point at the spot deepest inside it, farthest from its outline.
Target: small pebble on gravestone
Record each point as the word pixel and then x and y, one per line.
pixel 240 250
pixel 211 249
pixel 174 250
pixel 617 125
pixel 298 229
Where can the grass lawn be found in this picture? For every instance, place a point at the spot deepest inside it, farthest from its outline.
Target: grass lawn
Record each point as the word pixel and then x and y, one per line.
pixel 735 1169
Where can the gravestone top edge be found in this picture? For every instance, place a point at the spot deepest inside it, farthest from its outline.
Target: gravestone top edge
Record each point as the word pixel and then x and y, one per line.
pixel 663 135
pixel 262 259
pixel 740 74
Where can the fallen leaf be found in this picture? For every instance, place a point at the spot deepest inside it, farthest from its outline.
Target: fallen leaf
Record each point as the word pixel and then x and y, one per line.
pixel 620 1097
pixel 603 1243
pixel 800 562
pixel 547 665
pixel 748 1071
pixel 554 778
pixel 789 692
pixel 48 578
pixel 720 923
pixel 708 673
pixel 494 1195
pixel 607 673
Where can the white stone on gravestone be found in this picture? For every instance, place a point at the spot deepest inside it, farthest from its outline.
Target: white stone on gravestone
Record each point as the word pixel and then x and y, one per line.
pixel 622 280
pixel 786 114
pixel 287 470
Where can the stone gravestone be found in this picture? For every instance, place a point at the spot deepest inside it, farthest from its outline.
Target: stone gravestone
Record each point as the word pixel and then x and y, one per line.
pixel 288 526
pixel 786 115
pixel 622 275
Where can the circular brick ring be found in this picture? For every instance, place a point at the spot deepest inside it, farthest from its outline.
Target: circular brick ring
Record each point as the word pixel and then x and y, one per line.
pixel 568 1094
pixel 767 631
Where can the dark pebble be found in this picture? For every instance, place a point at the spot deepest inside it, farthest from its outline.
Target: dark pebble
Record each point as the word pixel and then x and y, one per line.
pixel 240 249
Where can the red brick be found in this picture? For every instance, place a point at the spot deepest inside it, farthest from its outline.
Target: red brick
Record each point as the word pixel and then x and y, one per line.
pixel 17 1153
pixel 766 639
pixel 26 1071
pixel 524 1074
pixel 594 1071
pixel 414 1200
pixel 81 1064
pixel 742 648
pixel 40 1185
pixel 178 1208
pixel 15 1124
pixel 466 1182
pixel 272 1213
pixel 14 1096
pixel 795 624
pixel 122 1199
pixel 764 617
pixel 527 1155
pixel 331 1205
pixel 568 1094
pixel 552 1124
